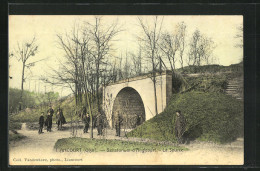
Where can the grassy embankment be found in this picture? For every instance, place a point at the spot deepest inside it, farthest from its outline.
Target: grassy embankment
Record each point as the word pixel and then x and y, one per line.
pixel 234 68
pixel 31 116
pixel 211 114
pixel 210 117
pixel 102 145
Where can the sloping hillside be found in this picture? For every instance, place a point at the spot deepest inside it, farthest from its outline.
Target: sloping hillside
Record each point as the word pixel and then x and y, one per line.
pixel 210 116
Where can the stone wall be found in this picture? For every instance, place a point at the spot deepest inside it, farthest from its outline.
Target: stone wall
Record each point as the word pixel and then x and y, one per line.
pixel 130 105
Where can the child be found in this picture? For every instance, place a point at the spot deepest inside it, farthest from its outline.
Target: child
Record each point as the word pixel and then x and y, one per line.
pixel 41 122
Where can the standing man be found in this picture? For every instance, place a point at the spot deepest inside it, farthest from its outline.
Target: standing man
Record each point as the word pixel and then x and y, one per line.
pixel 50 110
pixel 99 124
pixel 41 122
pixel 60 118
pixel 48 122
pixel 86 120
pixel 83 113
pixel 180 125
pixel 119 121
pixel 139 120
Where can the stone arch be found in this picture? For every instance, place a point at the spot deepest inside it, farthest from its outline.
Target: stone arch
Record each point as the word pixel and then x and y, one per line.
pixel 129 104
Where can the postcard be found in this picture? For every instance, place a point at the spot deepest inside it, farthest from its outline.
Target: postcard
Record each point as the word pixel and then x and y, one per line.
pixel 126 90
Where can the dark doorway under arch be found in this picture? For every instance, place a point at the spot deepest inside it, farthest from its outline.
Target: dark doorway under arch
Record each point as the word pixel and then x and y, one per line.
pixel 129 105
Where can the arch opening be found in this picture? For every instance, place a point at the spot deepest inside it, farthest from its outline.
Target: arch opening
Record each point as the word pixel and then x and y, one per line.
pixel 129 104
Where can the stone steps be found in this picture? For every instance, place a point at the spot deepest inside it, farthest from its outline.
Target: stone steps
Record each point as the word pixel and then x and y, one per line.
pixel 233 88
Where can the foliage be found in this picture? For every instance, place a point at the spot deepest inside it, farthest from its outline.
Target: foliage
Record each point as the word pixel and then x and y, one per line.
pixel 201 49
pixel 234 68
pixel 208 83
pixel 207 78
pixel 101 145
pixel 15 137
pixel 14 98
pixel 30 99
pixel 210 116
pixel 67 105
pixel 14 125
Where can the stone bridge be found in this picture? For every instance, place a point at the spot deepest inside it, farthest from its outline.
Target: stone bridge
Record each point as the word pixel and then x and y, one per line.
pixel 135 97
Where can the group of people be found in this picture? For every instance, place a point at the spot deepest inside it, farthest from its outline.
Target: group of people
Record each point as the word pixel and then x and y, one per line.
pixel 178 121
pixel 48 122
pixel 98 121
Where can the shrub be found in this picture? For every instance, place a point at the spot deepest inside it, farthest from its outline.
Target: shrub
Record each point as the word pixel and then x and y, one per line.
pixel 15 137
pixel 210 116
pixel 14 125
pixel 33 114
pixel 208 83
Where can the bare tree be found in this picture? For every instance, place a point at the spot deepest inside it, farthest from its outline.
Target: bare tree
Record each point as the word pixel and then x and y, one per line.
pixel 239 36
pixel 85 68
pixel 101 46
pixel 169 46
pixel 23 53
pixel 201 48
pixel 150 39
pixel 69 69
pixel 137 61
pixel 181 32
pixel 171 43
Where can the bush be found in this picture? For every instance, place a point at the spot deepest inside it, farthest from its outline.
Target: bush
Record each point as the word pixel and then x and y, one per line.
pixel 15 137
pixel 30 99
pixel 32 115
pixel 14 125
pixel 234 68
pixel 209 83
pixel 210 116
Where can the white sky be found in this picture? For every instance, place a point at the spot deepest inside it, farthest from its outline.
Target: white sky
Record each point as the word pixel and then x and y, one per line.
pixel 222 29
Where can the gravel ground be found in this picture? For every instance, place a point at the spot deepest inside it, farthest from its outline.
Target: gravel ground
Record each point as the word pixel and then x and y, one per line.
pixel 37 149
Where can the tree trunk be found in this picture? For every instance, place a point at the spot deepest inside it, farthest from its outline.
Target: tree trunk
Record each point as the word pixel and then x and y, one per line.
pixel 97 86
pixel 181 56
pixel 90 113
pixel 21 97
pixel 155 94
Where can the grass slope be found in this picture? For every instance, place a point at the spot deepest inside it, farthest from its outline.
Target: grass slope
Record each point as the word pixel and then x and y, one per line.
pixel 104 145
pixel 32 115
pixel 210 116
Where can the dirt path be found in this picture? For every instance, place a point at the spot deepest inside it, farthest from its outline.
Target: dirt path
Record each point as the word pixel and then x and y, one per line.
pixel 41 146
pixel 35 141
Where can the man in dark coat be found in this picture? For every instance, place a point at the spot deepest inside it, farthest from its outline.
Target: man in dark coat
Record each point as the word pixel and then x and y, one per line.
pixel 60 118
pixel 48 122
pixel 138 120
pixel 99 122
pixel 119 121
pixel 51 111
pixel 83 113
pixel 180 125
pixel 41 122
pixel 86 121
